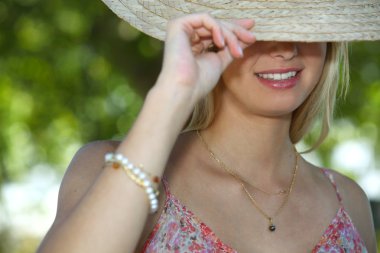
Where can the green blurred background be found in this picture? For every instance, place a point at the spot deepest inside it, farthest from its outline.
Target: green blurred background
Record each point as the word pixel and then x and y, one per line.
pixel 71 72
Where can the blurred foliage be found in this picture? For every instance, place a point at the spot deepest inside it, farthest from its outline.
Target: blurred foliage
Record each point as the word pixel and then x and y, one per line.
pixel 357 115
pixel 26 244
pixel 72 72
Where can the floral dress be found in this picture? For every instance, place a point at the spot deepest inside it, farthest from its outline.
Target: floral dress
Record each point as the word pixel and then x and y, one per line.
pixel 178 230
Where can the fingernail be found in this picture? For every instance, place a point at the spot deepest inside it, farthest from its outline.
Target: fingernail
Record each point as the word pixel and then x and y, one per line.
pixel 222 40
pixel 240 51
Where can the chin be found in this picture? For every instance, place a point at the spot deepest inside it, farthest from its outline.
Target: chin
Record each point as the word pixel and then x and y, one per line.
pixel 276 114
pixel 276 109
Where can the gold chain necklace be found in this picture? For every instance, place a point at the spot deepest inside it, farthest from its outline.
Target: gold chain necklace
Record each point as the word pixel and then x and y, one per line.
pixel 272 226
pixel 236 175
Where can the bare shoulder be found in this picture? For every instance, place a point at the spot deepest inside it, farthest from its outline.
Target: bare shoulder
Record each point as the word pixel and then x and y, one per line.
pixel 351 192
pixel 83 170
pixel 357 205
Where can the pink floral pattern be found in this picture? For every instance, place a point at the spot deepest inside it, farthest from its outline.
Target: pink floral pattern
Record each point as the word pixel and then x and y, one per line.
pixel 178 230
pixel 341 236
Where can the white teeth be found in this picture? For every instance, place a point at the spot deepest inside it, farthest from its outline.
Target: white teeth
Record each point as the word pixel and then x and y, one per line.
pixel 278 76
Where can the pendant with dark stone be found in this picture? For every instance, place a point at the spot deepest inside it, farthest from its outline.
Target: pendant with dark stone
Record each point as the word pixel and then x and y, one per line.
pixel 271 227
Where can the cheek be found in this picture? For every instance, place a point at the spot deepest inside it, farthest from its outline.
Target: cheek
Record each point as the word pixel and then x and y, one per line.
pixel 315 61
pixel 314 75
pixel 317 58
pixel 318 67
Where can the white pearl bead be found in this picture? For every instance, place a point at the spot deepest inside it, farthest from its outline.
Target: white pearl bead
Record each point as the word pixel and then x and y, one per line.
pixel 119 157
pixel 136 171
pixel 142 175
pixel 146 183
pixel 124 161
pixel 149 190
pixel 108 157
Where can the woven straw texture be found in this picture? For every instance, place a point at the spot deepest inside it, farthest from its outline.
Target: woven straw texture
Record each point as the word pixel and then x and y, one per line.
pixel 278 20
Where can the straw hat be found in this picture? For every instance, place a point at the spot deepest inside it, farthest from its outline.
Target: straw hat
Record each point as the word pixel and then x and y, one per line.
pixel 280 20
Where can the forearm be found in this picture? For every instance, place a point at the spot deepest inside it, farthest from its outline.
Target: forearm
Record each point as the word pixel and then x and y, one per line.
pixel 111 215
pixel 162 118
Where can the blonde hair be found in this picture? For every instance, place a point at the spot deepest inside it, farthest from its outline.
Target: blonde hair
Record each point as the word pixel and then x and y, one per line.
pixel 319 104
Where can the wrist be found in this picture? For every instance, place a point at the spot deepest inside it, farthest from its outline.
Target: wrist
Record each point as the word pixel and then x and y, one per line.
pixel 178 97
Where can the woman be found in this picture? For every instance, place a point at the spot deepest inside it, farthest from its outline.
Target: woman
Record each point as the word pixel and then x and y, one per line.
pixel 233 182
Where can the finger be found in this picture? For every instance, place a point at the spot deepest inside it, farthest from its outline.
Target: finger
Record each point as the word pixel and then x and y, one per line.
pixel 203 32
pixel 206 38
pixel 194 39
pixel 198 48
pixel 244 35
pixel 203 22
pixel 240 26
pixel 232 43
pixel 246 23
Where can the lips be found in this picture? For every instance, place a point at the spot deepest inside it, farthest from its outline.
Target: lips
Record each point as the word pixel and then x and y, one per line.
pixel 279 78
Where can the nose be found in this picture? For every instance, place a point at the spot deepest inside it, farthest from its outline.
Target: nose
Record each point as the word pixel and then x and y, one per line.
pixel 284 50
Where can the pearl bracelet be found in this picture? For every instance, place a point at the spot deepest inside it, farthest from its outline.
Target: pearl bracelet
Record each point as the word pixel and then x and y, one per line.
pixel 138 175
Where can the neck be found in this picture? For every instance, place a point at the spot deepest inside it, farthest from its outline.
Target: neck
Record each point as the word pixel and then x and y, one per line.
pixel 258 148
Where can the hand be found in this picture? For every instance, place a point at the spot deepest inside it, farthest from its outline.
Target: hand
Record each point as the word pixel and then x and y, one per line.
pixel 187 62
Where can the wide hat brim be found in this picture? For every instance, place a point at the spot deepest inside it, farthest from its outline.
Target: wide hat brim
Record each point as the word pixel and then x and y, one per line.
pixel 275 20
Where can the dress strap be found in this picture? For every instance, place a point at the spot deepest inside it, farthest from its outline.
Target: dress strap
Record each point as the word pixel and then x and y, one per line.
pixel 165 185
pixel 330 176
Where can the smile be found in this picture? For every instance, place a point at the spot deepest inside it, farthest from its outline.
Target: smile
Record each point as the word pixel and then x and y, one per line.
pixel 278 76
pixel 280 79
